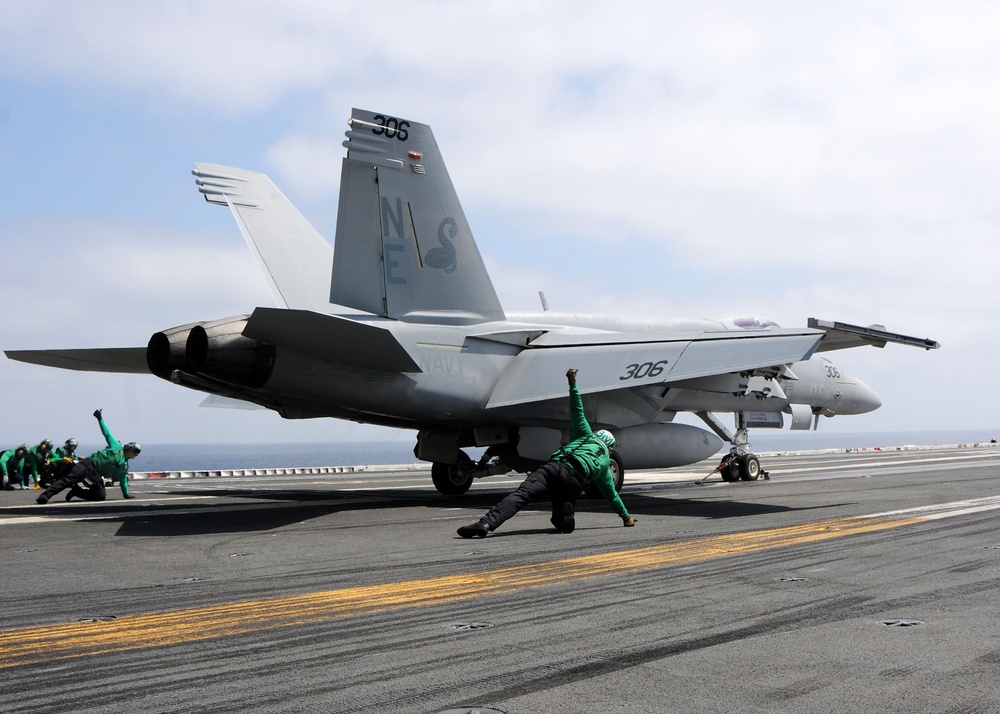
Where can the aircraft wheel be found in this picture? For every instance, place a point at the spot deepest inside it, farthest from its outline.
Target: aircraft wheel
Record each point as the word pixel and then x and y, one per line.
pixel 749 467
pixel 450 479
pixel 730 470
pixel 617 472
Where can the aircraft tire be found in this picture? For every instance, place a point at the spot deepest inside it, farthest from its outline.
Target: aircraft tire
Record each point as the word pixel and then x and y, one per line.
pixel 730 470
pixel 749 467
pixel 449 479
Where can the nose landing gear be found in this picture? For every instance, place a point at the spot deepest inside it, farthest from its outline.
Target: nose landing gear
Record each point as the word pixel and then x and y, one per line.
pixel 740 464
pixel 741 468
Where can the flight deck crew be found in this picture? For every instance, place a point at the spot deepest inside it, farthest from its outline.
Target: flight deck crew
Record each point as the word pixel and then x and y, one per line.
pixel 585 459
pixel 11 463
pixel 62 460
pixel 36 463
pixel 86 478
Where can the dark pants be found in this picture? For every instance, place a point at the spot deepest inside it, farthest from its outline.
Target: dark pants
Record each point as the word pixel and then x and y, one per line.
pixel 554 479
pixel 83 481
pixel 12 477
pixel 46 474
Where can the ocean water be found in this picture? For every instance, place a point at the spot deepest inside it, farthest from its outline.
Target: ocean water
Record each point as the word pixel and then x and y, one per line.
pixel 200 457
pixel 777 440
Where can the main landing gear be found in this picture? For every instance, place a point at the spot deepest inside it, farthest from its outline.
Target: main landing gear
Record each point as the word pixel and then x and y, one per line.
pixel 451 479
pixel 455 479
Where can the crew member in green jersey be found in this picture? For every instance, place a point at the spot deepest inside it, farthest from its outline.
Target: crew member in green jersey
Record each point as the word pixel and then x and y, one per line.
pixel 585 459
pixel 86 478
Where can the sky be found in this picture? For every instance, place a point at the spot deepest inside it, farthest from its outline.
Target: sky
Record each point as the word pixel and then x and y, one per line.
pixel 783 159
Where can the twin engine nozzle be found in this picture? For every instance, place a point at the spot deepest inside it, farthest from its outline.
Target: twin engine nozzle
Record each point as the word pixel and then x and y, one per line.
pixel 216 350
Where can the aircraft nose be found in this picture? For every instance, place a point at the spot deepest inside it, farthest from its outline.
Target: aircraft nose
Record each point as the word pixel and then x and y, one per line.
pixel 868 400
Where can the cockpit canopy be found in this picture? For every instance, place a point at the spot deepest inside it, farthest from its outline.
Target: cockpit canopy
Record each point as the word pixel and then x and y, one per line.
pixel 748 322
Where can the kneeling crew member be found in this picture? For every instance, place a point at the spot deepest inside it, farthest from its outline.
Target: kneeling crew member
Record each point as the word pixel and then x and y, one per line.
pixel 584 460
pixel 11 463
pixel 86 478
pixel 63 459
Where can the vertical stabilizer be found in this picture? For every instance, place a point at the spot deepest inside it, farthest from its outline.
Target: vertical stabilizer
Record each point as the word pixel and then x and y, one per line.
pixel 403 247
pixel 293 256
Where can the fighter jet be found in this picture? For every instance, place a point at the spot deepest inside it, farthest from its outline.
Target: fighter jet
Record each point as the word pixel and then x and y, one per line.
pixel 399 325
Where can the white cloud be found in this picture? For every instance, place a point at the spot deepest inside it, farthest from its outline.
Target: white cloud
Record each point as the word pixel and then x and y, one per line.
pixel 308 164
pixel 105 283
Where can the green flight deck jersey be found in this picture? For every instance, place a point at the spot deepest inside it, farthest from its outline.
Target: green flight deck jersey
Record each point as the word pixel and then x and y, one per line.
pixel 11 463
pixel 588 455
pixel 110 462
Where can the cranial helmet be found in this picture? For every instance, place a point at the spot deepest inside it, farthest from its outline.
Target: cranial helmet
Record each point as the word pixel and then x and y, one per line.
pixel 71 443
pixel 606 436
pixel 47 443
pixel 134 446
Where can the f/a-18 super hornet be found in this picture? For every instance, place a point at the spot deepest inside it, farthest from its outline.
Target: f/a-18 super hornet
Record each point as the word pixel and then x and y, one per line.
pixel 399 325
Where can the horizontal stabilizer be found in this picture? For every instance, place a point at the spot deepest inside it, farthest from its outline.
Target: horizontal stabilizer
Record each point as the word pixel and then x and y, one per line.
pixel 293 256
pixel 840 335
pixel 536 374
pixel 329 337
pixel 126 360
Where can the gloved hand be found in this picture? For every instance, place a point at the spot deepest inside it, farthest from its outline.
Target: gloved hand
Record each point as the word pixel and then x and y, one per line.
pixel 628 522
pixel 97 414
pixel 571 376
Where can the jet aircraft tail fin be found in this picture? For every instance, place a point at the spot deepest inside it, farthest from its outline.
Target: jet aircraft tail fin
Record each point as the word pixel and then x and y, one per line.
pixel 403 248
pixel 293 256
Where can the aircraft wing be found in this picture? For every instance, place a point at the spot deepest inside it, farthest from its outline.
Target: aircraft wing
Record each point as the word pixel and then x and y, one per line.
pixel 840 335
pixel 623 361
pixel 127 360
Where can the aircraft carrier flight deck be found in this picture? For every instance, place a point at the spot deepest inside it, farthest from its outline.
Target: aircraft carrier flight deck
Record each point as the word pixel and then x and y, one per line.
pixel 845 582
